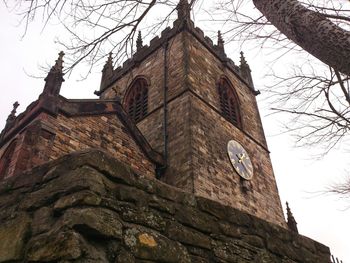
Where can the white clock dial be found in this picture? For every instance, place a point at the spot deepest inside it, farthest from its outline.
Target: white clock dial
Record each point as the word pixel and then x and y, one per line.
pixel 240 160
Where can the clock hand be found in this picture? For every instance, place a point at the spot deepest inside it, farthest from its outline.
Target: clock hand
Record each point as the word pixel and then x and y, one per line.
pixel 241 157
pixel 244 166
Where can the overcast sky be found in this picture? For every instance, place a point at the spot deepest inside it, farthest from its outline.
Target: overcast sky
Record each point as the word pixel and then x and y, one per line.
pixel 300 177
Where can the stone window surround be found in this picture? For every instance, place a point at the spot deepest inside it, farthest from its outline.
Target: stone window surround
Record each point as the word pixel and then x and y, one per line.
pixel 231 109
pixel 136 98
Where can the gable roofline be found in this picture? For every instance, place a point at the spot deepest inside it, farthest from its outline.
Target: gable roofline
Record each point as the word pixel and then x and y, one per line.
pixel 80 107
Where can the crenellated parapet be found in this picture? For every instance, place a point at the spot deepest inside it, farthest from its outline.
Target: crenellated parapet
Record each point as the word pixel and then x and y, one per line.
pixel 182 23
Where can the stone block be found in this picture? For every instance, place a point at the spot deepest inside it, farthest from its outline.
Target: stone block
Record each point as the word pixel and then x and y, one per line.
pixel 254 241
pixel 230 230
pixel 145 217
pixel 239 218
pixel 71 181
pixel 161 204
pixel 125 257
pixel 77 199
pixel 234 251
pixel 196 219
pixel 153 246
pixel 214 208
pixel 188 236
pixel 42 220
pixel 277 246
pixel 130 194
pixel 93 222
pixel 55 246
pixel 13 235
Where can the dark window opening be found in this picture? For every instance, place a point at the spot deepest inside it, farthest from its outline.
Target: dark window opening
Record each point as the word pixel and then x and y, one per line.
pixel 136 102
pixel 229 102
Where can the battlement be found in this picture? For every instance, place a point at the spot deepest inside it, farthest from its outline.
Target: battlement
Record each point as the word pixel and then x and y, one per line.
pixel 157 42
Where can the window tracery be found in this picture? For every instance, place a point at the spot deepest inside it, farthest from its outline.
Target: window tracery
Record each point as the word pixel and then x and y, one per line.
pixel 136 101
pixel 229 102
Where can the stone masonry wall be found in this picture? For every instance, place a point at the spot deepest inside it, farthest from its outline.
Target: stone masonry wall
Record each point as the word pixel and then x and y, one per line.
pixel 32 145
pixel 88 207
pixel 152 68
pixel 214 176
pixel 218 180
pixel 205 71
pixel 101 131
pixel 198 134
pixel 49 137
pixel 18 140
pixel 179 171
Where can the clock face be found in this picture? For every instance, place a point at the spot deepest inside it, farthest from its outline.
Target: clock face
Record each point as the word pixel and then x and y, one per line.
pixel 240 160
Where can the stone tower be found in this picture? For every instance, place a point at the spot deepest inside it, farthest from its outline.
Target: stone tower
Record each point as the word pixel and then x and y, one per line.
pixel 197 101
pixel 171 110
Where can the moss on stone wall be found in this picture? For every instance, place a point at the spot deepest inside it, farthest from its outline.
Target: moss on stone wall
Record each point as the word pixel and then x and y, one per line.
pixel 88 207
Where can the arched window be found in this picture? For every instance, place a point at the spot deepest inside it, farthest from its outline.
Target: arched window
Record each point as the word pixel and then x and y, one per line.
pixel 136 99
pixel 229 102
pixel 5 159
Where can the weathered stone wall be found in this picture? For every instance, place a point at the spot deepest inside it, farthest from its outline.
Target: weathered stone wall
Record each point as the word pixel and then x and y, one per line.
pixel 179 171
pixel 32 145
pixel 152 68
pixel 218 180
pixel 205 71
pixel 50 137
pixel 88 207
pixel 11 165
pixel 101 131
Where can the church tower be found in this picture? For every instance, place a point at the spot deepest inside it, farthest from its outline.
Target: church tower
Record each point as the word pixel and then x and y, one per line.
pixel 197 108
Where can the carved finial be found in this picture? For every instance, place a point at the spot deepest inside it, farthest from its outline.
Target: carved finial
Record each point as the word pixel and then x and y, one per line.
pixel 15 106
pixel 107 71
pixel 139 43
pixel 243 61
pixel 246 73
pixel 59 63
pixel 58 67
pixel 292 224
pixel 12 115
pixel 108 67
pixel 221 41
pixel 109 62
pixel 54 78
pixel 183 10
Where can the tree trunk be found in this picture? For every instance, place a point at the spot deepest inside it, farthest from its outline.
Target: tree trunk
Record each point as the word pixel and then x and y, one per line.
pixel 310 30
